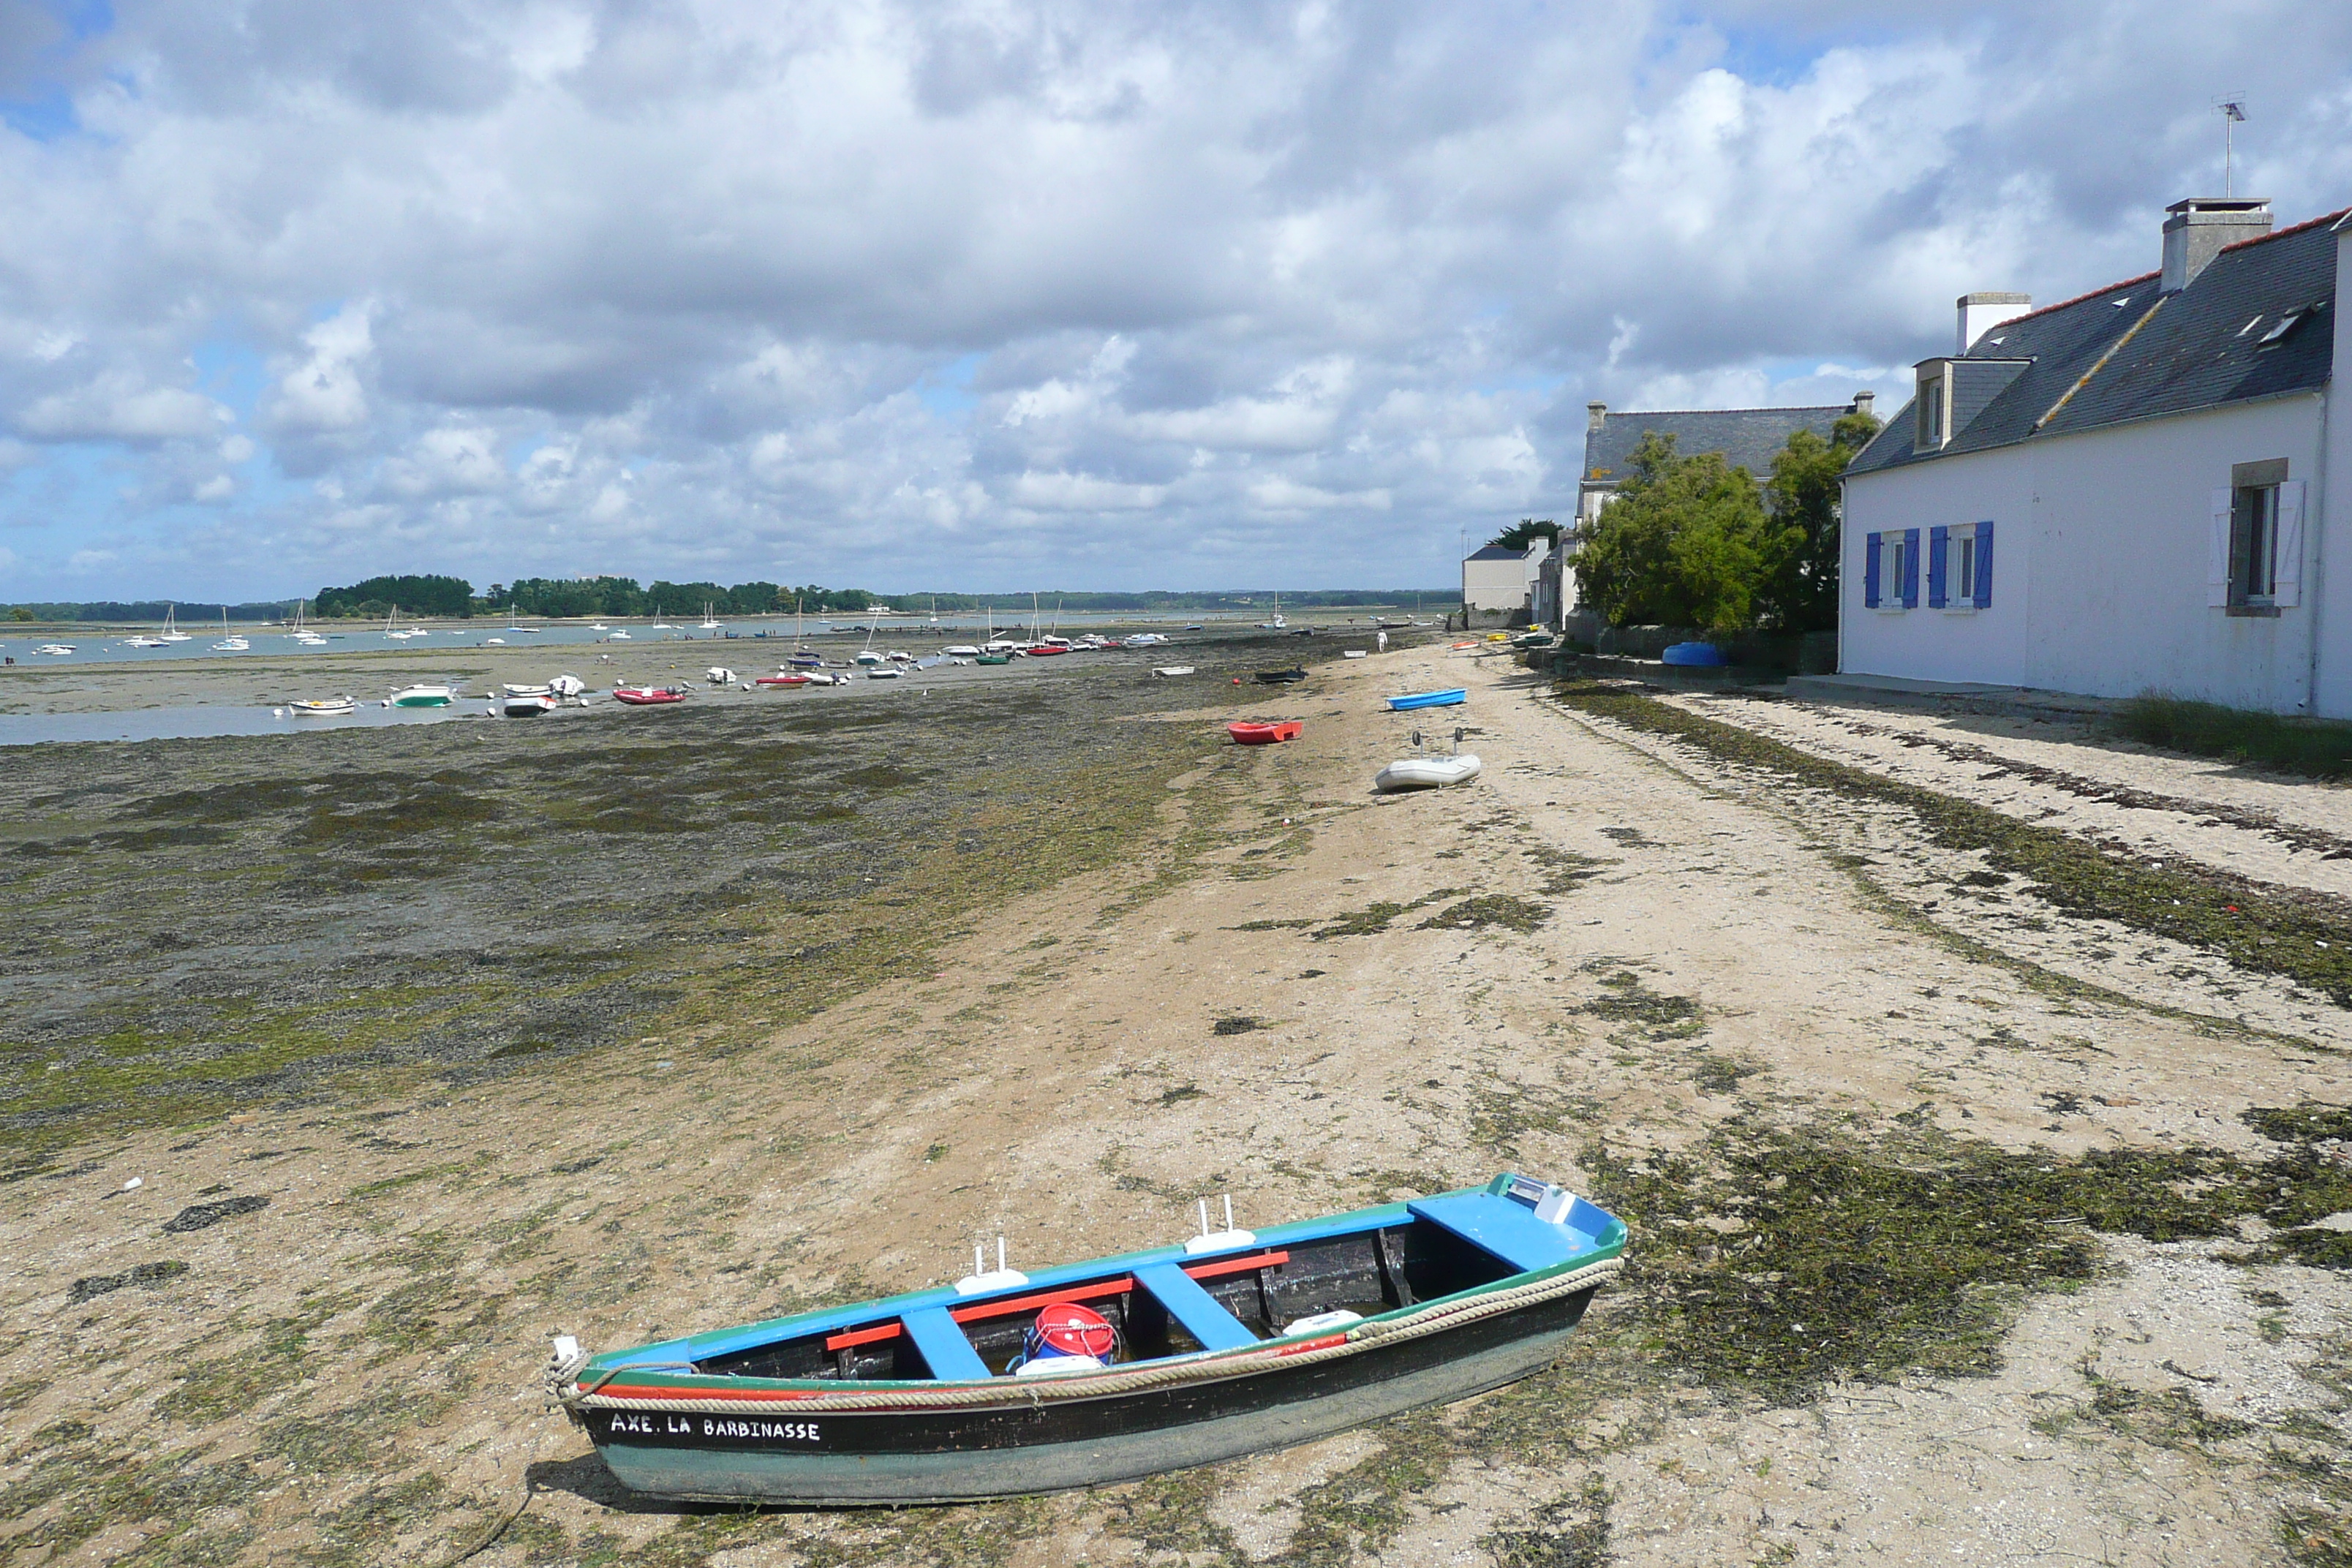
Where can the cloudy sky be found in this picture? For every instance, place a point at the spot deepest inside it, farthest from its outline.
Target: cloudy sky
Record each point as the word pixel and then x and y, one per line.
pixel 1013 295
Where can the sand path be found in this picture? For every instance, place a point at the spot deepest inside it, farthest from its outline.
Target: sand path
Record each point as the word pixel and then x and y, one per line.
pixel 1063 1081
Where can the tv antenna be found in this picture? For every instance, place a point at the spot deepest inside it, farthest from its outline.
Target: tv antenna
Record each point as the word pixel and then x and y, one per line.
pixel 2232 107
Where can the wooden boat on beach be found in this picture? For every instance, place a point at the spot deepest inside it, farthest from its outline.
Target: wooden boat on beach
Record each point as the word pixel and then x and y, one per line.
pixel 1233 1342
pixel 1265 731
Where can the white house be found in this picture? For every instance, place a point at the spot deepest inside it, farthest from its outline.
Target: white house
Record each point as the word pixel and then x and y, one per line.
pixel 2126 491
pixel 1497 580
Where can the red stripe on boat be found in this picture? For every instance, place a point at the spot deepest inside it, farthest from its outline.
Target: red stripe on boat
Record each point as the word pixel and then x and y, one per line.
pixel 633 1391
pixel 979 1310
pixel 983 1310
pixel 1225 1266
pixel 1314 1344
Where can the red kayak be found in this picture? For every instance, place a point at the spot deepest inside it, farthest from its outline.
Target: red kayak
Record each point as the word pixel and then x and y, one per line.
pixel 795 679
pixel 647 696
pixel 1250 732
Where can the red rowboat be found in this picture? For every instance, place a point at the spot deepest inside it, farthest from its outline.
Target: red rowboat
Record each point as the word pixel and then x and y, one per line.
pixel 647 696
pixel 1250 732
pixel 1044 650
pixel 792 679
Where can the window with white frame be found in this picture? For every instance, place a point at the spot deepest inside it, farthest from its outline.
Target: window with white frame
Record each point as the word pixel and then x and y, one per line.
pixel 1932 407
pixel 2256 564
pixel 1959 567
pixel 2254 544
pixel 1890 569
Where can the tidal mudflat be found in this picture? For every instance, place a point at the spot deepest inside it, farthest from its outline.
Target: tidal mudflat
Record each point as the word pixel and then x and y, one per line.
pixel 1983 1210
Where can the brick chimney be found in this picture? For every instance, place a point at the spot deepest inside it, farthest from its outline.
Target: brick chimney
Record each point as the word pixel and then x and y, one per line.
pixel 1594 413
pixel 2198 227
pixel 1981 314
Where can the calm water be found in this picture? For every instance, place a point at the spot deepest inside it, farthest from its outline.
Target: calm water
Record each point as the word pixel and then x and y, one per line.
pixel 912 632
pixel 191 723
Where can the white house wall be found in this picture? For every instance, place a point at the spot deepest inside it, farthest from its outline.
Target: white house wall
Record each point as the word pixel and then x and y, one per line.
pixel 2330 500
pixel 1987 645
pixel 2100 548
pixel 1495 584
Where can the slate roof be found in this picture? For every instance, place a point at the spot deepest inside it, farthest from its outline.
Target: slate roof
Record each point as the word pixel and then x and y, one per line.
pixel 2195 352
pixel 1496 552
pixel 1748 437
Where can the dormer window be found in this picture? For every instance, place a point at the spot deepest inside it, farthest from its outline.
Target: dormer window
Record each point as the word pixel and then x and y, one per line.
pixel 2280 327
pixel 1933 406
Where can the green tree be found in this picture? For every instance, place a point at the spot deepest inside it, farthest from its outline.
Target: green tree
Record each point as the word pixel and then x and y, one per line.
pixel 426 594
pixel 1682 545
pixel 1799 590
pixel 1525 531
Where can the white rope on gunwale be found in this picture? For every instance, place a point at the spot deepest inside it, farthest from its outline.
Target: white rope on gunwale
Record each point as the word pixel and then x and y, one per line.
pixel 1054 1390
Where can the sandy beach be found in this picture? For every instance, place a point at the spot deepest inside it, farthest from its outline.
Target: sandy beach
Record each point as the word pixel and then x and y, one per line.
pixel 1968 1225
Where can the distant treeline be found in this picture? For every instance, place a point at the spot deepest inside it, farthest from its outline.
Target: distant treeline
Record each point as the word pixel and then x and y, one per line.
pixel 416 595
pixel 454 597
pixel 149 610
pixel 622 597
pixel 1307 599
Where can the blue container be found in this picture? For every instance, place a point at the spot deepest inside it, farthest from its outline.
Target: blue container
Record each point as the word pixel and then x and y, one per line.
pixel 1695 653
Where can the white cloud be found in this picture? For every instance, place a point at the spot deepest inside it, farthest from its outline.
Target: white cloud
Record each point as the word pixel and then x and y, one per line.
pixel 1081 492
pixel 121 405
pixel 323 392
pixel 976 294
pixel 446 462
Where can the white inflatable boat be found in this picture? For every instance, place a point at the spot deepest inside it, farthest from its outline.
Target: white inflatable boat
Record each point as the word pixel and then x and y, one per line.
pixel 1426 773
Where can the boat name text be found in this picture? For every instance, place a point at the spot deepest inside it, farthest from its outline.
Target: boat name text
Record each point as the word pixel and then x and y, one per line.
pixel 671 1425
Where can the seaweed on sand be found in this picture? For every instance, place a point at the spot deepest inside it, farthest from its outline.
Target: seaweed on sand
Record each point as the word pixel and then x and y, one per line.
pixel 2260 929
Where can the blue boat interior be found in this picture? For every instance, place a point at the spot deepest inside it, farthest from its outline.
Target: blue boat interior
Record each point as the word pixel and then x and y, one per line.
pixel 1170 1302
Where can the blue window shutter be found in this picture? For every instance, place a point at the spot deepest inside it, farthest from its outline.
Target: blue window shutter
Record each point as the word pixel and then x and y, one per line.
pixel 1984 566
pixel 1870 571
pixel 1936 538
pixel 1910 568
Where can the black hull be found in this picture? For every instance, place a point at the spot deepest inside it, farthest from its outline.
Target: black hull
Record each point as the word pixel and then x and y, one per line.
pixel 774 1453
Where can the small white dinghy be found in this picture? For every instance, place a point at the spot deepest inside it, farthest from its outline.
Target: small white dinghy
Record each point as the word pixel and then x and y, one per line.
pixel 526 702
pixel 1426 773
pixel 324 708
pixel 1171 670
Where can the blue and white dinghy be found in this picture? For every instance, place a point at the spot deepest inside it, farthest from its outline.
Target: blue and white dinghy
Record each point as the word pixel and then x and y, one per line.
pixel 1233 1342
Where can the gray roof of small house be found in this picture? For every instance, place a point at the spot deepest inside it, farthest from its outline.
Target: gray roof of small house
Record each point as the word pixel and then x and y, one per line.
pixel 2195 352
pixel 1498 553
pixel 1748 437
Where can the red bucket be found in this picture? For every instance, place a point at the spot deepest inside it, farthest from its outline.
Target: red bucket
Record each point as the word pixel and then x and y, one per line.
pixel 1064 1328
